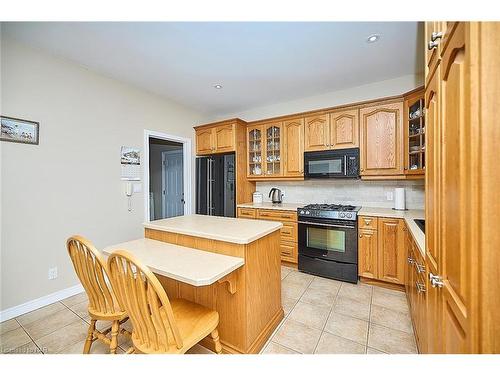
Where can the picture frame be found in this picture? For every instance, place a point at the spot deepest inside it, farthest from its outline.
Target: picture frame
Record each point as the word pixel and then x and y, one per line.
pixel 19 130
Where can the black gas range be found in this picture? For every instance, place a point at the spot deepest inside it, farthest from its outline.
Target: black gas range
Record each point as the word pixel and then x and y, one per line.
pixel 328 241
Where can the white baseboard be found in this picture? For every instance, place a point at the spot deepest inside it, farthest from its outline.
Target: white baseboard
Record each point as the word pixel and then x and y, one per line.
pixel 29 306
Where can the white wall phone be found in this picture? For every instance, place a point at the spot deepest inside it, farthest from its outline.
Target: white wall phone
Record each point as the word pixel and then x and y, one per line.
pixel 128 193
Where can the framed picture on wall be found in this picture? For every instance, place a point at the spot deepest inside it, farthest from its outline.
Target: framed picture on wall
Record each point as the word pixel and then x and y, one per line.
pixel 20 131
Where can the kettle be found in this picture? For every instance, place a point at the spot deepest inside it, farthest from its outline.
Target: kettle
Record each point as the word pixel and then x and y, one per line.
pixel 275 195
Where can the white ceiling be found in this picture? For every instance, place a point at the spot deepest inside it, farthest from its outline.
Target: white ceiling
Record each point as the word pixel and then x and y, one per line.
pixel 257 63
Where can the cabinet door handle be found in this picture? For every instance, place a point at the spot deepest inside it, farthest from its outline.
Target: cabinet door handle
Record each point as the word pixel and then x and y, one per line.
pixel 432 45
pixel 360 236
pixel 436 35
pixel 420 287
pixel 410 260
pixel 420 268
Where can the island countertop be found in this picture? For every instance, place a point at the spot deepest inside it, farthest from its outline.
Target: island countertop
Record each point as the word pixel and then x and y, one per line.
pixel 191 266
pixel 227 229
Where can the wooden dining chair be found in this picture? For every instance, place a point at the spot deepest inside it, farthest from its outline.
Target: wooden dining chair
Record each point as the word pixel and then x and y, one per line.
pixel 91 269
pixel 159 325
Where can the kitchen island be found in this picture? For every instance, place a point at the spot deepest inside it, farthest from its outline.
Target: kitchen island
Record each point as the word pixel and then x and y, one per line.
pixel 247 299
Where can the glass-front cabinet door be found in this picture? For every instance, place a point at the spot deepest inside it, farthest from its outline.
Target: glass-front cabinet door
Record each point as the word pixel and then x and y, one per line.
pixel 415 135
pixel 255 151
pixel 273 149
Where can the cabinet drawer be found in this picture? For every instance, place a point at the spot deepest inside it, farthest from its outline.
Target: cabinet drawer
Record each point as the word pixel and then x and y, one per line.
pixel 249 213
pixel 277 215
pixel 367 222
pixel 289 251
pixel 289 232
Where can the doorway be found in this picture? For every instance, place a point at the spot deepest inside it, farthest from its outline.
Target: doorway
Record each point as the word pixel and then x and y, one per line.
pixel 166 176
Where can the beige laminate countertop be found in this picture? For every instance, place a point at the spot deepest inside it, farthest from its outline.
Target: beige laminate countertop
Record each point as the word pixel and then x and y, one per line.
pixel 271 206
pixel 408 216
pixel 191 266
pixel 228 229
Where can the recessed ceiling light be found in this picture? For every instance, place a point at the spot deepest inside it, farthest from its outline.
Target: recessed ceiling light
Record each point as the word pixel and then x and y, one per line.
pixel 217 86
pixel 373 38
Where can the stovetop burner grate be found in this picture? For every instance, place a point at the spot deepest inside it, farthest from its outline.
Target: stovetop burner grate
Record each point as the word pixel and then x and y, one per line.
pixel 330 207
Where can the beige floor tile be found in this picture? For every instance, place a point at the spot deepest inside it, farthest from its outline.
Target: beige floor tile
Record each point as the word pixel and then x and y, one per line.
pixel 41 313
pixel 76 299
pixel 391 319
pixel 390 299
pixel 63 338
pixel 360 292
pixel 292 290
pixel 82 310
pixel 331 286
pixel 274 348
pixel 13 339
pixel 297 336
pixel 288 304
pixel 29 348
pixel 98 347
pixel 390 340
pixel 348 327
pixel 319 297
pixel 52 323
pixel 331 344
pixel 352 307
pixel 373 351
pixel 285 271
pixel 298 278
pixel 8 325
pixel 198 349
pixel 310 315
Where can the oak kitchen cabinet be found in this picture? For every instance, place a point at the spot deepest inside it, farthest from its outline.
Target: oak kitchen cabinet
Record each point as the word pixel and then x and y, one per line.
pixel 416 291
pixel 293 143
pixel 216 139
pixel 339 129
pixel 381 249
pixel 264 144
pixel 289 231
pixel 381 140
pixel 414 135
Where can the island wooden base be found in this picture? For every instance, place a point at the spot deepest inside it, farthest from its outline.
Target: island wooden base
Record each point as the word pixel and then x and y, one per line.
pixel 248 300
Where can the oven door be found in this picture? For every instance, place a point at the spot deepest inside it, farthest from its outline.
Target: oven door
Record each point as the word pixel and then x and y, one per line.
pixel 329 239
pixel 324 164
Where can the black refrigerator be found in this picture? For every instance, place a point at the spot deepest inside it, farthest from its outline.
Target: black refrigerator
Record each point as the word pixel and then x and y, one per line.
pixel 216 185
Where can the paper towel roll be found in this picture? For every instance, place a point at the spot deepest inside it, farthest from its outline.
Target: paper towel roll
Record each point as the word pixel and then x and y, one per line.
pixel 399 199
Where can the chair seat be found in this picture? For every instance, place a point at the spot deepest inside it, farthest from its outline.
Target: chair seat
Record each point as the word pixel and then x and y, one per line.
pixel 99 315
pixel 194 322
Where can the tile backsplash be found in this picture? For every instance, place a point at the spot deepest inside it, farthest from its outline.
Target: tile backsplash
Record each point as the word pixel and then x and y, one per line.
pixel 356 192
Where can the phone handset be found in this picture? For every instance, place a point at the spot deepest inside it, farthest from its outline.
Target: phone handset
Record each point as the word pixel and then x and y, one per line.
pixel 128 193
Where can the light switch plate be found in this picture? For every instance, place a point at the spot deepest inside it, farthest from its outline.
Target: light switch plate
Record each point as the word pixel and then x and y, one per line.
pixel 137 188
pixel 53 273
pixel 390 195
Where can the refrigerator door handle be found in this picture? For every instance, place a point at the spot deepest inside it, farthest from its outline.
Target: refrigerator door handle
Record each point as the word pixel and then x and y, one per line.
pixel 210 176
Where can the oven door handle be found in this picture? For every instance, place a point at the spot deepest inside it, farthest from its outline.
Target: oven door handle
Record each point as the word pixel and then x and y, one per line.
pixel 326 225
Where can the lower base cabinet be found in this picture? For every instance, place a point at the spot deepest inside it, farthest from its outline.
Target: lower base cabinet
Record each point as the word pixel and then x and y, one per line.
pixel 381 249
pixel 416 291
pixel 289 231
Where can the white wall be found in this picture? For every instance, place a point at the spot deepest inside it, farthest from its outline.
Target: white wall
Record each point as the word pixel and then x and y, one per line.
pixel 70 183
pixel 396 86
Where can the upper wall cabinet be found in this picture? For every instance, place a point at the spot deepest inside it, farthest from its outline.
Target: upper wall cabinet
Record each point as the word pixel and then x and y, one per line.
pixel 381 136
pixel 264 150
pixel 316 133
pixel 414 135
pixel 344 129
pixel 293 147
pixel 216 139
pixel 332 131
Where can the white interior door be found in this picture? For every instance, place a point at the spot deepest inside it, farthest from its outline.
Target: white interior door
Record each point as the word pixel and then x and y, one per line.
pixel 172 183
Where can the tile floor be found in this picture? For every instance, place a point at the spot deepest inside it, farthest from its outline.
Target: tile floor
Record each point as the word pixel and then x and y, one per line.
pixel 321 316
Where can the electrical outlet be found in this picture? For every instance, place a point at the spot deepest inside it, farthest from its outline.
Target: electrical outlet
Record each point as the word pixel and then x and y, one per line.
pixel 390 195
pixel 52 273
pixel 137 188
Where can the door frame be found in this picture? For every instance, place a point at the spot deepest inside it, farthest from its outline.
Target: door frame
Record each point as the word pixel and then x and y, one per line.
pixel 164 178
pixel 187 166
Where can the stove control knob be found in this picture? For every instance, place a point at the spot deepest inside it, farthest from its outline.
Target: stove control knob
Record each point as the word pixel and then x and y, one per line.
pixel 348 215
pixel 307 212
pixel 342 214
pixel 301 212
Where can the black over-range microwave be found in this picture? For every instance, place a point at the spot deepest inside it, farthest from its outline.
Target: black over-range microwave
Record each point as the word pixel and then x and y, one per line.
pixel 342 163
